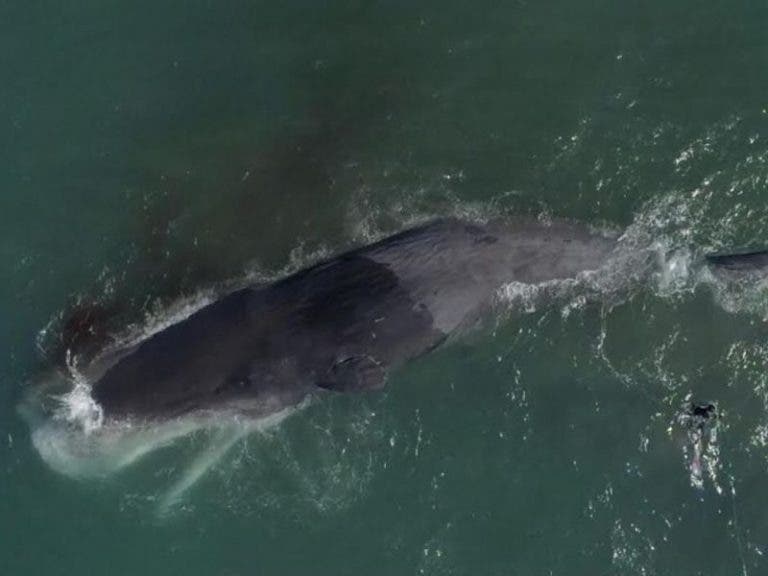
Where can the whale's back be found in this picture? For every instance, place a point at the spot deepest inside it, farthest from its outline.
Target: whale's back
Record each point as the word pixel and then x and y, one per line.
pixel 342 323
pixel 453 267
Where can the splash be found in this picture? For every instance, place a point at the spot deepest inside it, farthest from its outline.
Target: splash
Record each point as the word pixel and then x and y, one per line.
pixel 77 406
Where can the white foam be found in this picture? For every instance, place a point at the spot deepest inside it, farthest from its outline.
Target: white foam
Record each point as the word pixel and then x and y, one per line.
pixel 99 453
pixel 70 451
pixel 674 275
pixel 78 406
pixel 519 295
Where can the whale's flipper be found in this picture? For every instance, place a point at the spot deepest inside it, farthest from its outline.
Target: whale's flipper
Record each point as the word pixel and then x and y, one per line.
pixel 744 262
pixel 222 441
pixel 355 374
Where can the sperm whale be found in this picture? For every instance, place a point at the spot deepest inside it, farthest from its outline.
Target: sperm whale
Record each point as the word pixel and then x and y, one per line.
pixel 342 324
pixel 246 359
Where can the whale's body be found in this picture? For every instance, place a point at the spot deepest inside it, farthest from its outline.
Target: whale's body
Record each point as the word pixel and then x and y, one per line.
pixel 244 361
pixel 342 324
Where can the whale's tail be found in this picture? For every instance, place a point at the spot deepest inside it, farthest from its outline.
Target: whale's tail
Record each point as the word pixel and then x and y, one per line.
pixel 746 262
pixel 748 266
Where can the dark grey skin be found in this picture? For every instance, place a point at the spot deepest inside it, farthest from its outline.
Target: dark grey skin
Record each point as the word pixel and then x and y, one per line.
pixel 342 324
pixel 739 264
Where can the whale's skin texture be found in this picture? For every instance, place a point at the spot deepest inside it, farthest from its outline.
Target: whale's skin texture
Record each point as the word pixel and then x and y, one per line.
pixel 343 323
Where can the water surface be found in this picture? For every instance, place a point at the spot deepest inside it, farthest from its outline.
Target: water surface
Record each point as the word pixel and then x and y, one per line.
pixel 151 152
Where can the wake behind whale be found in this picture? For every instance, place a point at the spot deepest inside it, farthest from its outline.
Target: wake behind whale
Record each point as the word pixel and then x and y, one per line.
pixel 245 361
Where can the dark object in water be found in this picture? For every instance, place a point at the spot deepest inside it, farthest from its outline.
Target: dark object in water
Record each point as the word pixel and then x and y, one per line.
pixel 700 420
pixel 702 415
pixel 342 324
pixel 740 262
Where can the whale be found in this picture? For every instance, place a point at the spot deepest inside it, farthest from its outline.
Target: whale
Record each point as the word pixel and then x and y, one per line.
pixel 249 357
pixel 345 323
pixel 341 325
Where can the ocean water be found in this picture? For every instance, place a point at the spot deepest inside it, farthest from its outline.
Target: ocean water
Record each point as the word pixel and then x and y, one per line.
pixel 155 154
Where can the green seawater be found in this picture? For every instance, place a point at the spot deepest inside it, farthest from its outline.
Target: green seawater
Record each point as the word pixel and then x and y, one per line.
pixel 152 151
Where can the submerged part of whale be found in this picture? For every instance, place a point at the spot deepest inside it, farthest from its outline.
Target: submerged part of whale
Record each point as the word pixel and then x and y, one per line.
pixel 340 325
